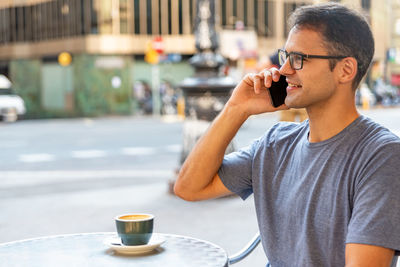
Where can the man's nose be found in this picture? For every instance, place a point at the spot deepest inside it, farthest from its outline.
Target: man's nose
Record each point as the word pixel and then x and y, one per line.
pixel 286 69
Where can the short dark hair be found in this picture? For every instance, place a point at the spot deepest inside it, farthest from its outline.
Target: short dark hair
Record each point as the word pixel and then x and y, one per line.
pixel 345 32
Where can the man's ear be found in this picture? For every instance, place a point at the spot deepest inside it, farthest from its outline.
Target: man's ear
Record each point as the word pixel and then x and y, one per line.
pixel 347 69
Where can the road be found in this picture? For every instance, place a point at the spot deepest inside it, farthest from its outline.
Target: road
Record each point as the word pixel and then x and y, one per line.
pixel 75 175
pixel 78 154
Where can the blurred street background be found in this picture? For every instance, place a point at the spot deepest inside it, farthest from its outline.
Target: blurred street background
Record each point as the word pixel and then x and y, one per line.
pixel 101 100
pixel 75 58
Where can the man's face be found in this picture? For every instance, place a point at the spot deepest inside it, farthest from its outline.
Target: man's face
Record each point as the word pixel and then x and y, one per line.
pixel 315 83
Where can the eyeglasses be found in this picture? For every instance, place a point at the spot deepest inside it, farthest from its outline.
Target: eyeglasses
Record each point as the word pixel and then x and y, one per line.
pixel 296 59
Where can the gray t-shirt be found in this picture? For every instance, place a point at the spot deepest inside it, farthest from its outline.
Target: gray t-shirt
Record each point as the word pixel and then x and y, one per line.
pixel 313 198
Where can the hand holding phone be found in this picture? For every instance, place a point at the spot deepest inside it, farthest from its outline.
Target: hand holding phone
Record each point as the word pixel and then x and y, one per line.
pixel 277 91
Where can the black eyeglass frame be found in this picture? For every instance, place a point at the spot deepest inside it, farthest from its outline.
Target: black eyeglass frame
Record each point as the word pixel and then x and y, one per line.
pixel 287 54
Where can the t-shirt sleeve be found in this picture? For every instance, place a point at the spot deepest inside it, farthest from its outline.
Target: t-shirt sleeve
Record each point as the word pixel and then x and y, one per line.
pixel 376 205
pixel 236 171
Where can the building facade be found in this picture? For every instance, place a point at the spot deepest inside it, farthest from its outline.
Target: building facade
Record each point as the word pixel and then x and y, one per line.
pixel 108 41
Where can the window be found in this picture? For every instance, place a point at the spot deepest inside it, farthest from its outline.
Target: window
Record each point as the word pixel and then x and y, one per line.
pixel 104 9
pixel 148 16
pixel 269 18
pixel 288 10
pixel 180 21
pixel 5 26
pixel 123 16
pixel 366 4
pixel 136 16
pixel 223 12
pixel 94 26
pixel 169 17
pixel 245 19
pixel 234 11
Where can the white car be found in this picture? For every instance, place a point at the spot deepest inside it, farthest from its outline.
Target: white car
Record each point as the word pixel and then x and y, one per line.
pixel 11 105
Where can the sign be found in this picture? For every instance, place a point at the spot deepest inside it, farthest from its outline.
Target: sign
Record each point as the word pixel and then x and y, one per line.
pixel 64 59
pixel 395 79
pixel 238 44
pixel 109 62
pixel 174 57
pixel 158 44
pixel 116 82
pixel 151 55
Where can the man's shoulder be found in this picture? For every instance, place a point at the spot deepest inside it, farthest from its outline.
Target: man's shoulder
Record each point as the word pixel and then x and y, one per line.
pixel 374 141
pixel 372 132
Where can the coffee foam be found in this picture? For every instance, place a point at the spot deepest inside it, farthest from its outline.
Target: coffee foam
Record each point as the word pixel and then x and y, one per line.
pixel 134 217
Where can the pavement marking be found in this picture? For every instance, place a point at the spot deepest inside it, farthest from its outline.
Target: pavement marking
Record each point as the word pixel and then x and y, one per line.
pixel 27 178
pixel 86 154
pixel 40 157
pixel 139 151
pixel 94 153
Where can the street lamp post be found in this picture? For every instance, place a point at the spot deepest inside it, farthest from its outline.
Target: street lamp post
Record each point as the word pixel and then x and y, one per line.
pixel 207 91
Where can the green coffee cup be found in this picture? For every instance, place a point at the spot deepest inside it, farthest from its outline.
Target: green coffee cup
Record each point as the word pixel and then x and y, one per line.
pixel 135 229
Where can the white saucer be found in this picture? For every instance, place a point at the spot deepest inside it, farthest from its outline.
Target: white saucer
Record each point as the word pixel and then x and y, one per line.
pixel 116 244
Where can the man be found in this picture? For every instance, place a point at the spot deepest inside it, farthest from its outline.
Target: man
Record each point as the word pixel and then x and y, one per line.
pixel 326 190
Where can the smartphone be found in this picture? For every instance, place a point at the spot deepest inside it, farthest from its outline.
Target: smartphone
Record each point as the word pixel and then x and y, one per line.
pixel 277 91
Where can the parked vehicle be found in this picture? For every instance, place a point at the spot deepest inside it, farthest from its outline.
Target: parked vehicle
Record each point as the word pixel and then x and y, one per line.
pixel 11 105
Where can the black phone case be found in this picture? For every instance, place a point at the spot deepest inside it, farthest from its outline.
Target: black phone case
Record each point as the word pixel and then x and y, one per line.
pixel 277 91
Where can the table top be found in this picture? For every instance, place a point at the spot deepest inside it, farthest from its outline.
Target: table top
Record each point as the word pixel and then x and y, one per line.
pixel 89 249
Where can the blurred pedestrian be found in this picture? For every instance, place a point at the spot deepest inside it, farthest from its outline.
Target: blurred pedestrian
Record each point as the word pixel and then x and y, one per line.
pixel 143 96
pixel 169 98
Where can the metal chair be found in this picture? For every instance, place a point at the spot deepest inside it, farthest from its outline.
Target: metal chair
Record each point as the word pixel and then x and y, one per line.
pixel 243 253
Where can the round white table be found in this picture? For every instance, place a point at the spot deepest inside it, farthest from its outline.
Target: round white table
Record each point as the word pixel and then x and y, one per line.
pixel 88 249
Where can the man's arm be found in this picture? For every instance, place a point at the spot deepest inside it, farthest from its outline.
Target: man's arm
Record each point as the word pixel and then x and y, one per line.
pixel 198 178
pixel 361 255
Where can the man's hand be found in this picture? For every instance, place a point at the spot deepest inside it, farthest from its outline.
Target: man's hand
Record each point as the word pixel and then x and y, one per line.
pixel 252 95
pixel 360 255
pixel 198 178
